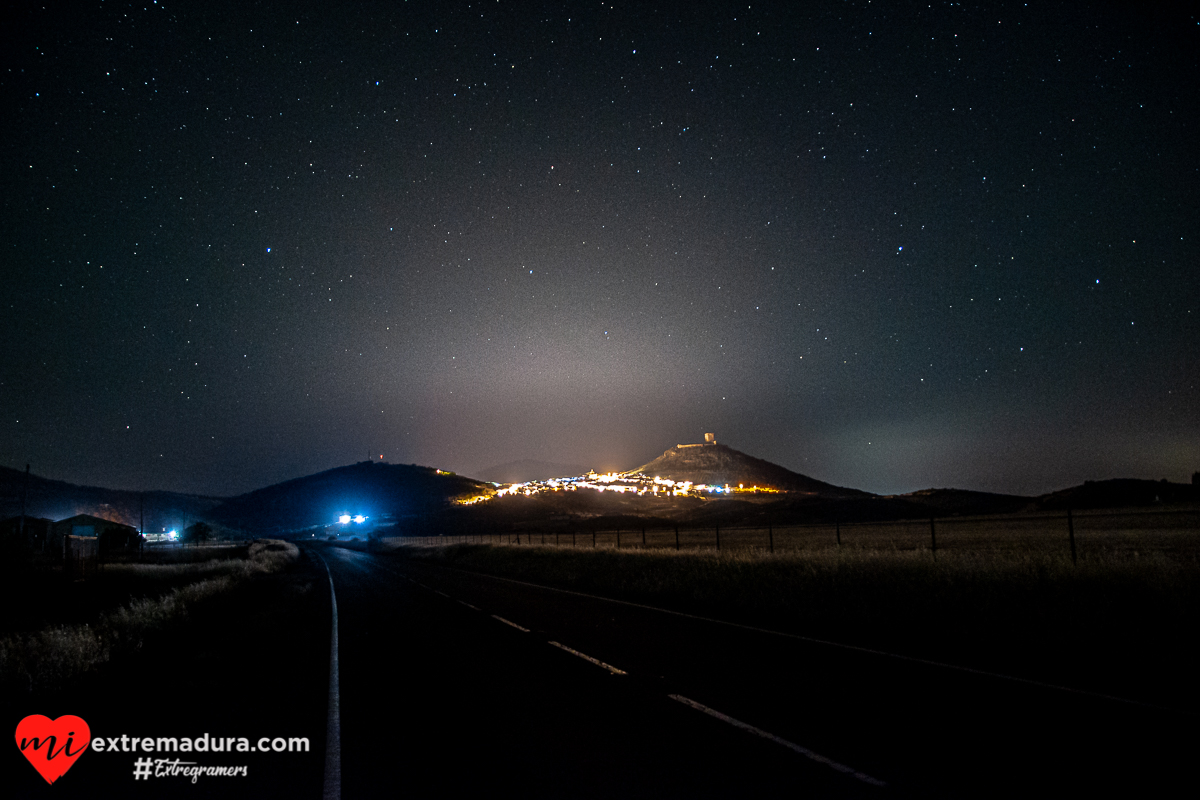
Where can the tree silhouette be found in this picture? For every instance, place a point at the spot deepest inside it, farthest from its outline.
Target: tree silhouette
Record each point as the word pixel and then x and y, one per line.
pixel 197 533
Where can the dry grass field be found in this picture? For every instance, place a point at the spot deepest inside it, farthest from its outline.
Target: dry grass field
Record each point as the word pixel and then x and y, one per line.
pixel 120 607
pixel 1002 594
pixel 1097 534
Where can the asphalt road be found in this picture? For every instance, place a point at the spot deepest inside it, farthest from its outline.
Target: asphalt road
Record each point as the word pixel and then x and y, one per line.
pixel 451 683
pixel 439 699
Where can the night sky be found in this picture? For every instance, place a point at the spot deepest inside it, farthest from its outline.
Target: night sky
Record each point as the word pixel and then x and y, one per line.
pixel 888 246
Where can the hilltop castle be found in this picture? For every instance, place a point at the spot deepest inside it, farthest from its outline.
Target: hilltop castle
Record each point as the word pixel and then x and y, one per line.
pixel 709 438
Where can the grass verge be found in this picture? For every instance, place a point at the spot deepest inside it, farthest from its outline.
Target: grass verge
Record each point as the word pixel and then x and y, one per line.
pixel 51 657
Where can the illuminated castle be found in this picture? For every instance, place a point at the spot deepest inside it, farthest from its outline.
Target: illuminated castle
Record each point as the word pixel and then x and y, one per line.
pixel 709 438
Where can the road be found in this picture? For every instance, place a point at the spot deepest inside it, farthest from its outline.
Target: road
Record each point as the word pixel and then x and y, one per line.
pixel 454 682
pixel 440 699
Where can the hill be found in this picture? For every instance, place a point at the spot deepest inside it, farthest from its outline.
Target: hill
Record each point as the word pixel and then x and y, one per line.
pixel 962 502
pixel 525 471
pixel 720 465
pixel 1119 493
pixel 375 490
pixel 58 500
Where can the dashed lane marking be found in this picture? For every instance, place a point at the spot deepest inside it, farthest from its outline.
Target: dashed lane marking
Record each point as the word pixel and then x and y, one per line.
pixel 839 645
pixel 804 751
pixel 586 657
pixel 507 622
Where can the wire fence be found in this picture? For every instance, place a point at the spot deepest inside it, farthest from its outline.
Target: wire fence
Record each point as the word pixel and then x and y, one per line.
pixel 1078 534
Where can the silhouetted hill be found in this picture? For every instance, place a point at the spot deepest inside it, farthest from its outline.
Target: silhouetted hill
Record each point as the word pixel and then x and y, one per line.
pixel 525 471
pixel 59 500
pixel 720 465
pixel 1119 493
pixel 369 488
pixel 947 502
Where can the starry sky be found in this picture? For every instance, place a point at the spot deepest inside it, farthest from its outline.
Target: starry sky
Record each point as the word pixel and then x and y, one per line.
pixel 891 246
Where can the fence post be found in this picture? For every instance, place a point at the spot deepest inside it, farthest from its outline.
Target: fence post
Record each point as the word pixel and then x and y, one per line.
pixel 1071 534
pixel 718 537
pixel 932 538
pixel 676 537
pixel 771 538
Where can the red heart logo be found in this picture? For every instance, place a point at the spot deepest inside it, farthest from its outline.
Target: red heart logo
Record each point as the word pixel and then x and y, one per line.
pixel 52 745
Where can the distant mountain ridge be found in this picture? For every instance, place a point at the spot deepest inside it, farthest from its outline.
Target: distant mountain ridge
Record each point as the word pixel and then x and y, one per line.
pixel 378 489
pixel 529 470
pixel 373 489
pixel 1120 492
pixel 965 502
pixel 719 464
pixel 58 500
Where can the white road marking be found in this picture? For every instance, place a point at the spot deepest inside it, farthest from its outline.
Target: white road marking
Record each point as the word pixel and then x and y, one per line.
pixel 443 594
pixel 804 751
pixel 332 751
pixel 839 645
pixel 333 727
pixel 507 622
pixel 595 661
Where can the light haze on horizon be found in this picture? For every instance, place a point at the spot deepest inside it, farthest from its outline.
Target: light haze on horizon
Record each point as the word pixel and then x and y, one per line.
pixel 888 247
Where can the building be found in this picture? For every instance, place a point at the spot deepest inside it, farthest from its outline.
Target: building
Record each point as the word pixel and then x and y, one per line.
pixel 110 537
pixel 24 535
pixel 709 438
